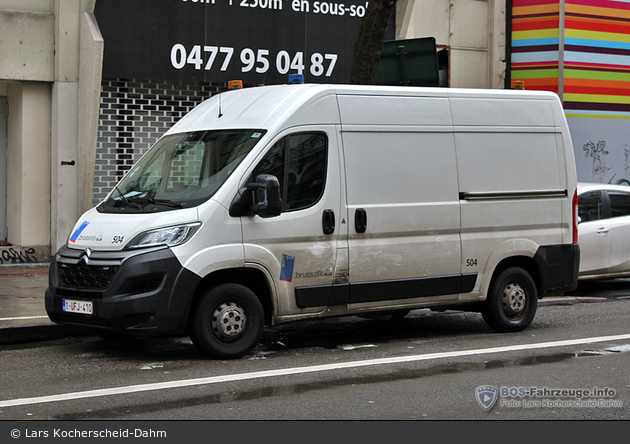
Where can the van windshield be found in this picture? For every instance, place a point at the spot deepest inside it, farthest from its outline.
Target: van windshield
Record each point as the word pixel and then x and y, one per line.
pixel 181 171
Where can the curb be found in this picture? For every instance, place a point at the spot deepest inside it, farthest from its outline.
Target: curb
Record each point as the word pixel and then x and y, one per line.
pixel 39 269
pixel 569 300
pixel 34 333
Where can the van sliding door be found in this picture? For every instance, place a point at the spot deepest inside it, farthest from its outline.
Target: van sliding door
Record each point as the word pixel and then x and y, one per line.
pixel 404 216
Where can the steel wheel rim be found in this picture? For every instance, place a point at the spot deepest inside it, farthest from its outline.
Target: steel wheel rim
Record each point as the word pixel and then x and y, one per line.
pixel 513 300
pixel 228 321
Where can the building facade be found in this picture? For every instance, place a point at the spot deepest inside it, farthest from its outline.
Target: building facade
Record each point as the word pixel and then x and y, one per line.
pixel 87 86
pixel 471 32
pixel 50 76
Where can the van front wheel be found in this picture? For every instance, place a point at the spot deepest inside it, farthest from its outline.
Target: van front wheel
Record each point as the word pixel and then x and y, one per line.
pixel 512 301
pixel 228 322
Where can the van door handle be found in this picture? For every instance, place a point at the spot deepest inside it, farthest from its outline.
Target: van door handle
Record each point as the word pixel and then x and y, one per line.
pixel 602 230
pixel 360 220
pixel 328 221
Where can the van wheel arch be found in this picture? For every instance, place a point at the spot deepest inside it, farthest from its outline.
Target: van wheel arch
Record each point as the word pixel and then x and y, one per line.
pixel 526 263
pixel 252 278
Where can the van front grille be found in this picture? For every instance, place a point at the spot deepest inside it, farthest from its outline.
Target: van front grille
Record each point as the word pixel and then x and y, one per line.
pixel 85 276
pixel 78 294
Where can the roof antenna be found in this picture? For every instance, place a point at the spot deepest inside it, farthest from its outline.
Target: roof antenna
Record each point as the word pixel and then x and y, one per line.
pixel 220 113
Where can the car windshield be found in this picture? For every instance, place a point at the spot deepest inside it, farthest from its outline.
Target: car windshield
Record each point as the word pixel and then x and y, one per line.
pixel 181 170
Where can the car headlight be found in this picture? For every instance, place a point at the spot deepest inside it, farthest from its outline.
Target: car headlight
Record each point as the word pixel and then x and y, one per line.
pixel 170 236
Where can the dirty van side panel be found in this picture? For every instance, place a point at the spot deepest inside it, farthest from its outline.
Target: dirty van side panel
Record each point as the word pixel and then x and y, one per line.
pixel 402 199
pixel 511 184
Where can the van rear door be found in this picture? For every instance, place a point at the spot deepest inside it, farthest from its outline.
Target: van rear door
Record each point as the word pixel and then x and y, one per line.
pixel 512 179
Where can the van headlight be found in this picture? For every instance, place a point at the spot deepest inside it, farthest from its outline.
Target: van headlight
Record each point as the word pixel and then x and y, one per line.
pixel 170 236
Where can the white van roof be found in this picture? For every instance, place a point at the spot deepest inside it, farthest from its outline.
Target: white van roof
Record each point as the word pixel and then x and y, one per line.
pixel 264 107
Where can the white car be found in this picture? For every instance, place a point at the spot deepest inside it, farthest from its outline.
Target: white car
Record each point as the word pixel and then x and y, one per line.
pixel 604 230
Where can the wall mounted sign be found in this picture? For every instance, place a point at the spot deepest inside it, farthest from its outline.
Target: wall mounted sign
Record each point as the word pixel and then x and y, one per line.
pixel 257 41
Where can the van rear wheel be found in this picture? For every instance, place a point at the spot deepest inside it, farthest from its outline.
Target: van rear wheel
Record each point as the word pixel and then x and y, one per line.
pixel 228 322
pixel 512 301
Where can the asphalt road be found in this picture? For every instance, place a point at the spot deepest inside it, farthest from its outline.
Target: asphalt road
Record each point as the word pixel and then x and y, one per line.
pixel 426 366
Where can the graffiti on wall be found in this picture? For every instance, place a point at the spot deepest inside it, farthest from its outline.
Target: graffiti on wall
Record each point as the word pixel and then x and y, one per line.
pixel 626 152
pixel 602 150
pixel 597 151
pixel 18 256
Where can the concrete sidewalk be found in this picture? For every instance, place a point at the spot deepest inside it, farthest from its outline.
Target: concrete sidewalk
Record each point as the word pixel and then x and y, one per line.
pixel 23 315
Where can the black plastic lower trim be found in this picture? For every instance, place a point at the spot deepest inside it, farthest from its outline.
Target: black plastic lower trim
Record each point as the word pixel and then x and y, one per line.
pixel 559 267
pixel 326 295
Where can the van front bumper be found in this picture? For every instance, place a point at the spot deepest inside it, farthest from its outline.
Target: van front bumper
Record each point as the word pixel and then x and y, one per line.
pixel 140 292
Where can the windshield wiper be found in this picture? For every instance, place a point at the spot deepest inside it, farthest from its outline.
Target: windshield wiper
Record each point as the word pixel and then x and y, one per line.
pixel 143 202
pixel 167 203
pixel 146 198
pixel 125 200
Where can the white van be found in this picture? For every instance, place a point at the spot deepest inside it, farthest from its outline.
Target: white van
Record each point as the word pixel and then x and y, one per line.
pixel 281 203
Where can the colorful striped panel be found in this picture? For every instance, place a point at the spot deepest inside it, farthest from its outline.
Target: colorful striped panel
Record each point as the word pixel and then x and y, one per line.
pixel 535 43
pixel 597 58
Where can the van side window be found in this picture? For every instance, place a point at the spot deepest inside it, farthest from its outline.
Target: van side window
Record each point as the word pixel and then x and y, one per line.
pixel 299 163
pixel 272 163
pixel 590 206
pixel 619 204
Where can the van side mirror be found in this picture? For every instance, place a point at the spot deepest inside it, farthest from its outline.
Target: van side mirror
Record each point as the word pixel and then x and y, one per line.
pixel 260 198
pixel 266 196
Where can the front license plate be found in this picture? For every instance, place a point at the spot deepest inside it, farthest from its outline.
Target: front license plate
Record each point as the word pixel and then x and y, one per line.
pixel 83 307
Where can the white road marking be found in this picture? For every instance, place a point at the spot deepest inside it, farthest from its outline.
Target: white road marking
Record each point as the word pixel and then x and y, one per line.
pixel 301 370
pixel 23 318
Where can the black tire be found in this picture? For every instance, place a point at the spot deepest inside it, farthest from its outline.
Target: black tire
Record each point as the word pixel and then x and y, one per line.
pixel 512 301
pixel 228 322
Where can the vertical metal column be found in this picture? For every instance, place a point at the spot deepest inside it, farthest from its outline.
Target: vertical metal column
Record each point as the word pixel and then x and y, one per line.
pixel 3 168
